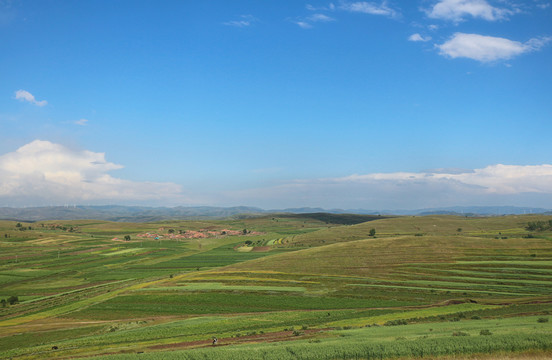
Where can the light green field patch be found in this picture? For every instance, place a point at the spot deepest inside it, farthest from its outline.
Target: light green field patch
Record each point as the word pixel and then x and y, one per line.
pixel 507 262
pixel 421 313
pixel 464 285
pixel 52 284
pixel 499 273
pixel 244 249
pixel 124 251
pixel 26 272
pixel 220 286
pixel 443 289
pixel 511 281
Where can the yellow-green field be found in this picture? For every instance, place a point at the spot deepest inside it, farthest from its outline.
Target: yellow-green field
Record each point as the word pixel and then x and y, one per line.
pixel 277 287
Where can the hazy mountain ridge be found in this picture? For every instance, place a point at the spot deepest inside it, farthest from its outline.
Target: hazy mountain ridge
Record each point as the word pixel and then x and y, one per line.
pixel 144 214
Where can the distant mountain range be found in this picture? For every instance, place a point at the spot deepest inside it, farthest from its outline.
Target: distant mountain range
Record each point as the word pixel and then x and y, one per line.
pixel 145 214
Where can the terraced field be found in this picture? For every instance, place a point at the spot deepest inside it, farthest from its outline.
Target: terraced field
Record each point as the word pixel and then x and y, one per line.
pixel 305 287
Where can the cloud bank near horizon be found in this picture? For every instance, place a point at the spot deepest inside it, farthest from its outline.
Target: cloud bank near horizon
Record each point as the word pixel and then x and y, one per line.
pixel 45 173
pixel 520 185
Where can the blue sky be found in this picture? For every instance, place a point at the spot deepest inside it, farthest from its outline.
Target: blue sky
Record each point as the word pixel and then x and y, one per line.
pixel 344 104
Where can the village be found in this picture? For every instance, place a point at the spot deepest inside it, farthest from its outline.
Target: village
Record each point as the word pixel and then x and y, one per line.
pixel 163 233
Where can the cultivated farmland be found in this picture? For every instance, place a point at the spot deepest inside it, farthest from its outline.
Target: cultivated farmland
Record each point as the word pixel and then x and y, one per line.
pixel 313 286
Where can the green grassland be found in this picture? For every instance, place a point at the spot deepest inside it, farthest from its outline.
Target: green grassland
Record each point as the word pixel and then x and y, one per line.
pixel 313 286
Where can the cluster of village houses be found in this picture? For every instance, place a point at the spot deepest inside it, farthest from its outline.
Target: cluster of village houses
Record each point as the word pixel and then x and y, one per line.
pixel 191 234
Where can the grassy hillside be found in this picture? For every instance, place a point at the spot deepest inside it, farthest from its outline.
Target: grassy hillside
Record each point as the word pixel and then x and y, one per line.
pixel 421 285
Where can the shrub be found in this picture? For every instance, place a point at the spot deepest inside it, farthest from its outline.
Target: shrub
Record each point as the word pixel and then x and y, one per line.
pixel 542 320
pixel 485 332
pixel 396 322
pixel 460 333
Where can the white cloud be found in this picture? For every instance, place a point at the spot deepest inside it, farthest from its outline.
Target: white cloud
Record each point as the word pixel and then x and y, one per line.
pixel 44 172
pixel 330 7
pixel 364 7
pixel 24 95
pixel 529 185
pixel 370 8
pixel 320 18
pixel 417 37
pixel 245 21
pixel 303 24
pixel 457 10
pixel 81 122
pixel 307 23
pixel 487 48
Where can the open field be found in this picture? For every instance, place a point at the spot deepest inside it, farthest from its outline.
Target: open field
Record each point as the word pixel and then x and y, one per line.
pixel 277 287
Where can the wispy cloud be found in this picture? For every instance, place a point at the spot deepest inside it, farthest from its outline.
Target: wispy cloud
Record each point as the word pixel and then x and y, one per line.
pixel 458 10
pixel 417 37
pixel 320 18
pixel 372 8
pixel 81 122
pixel 307 22
pixel 24 95
pixel 303 24
pixel 45 172
pixel 330 7
pixel 244 21
pixel 487 48
pixel 365 7
pixel 7 12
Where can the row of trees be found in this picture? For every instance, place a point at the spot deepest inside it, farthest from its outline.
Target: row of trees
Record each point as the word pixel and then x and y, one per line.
pixel 12 300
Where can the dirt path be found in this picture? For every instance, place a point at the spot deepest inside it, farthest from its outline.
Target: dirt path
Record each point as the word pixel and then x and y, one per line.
pixel 268 337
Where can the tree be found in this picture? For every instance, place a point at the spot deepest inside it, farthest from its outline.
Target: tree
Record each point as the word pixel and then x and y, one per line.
pixel 127 237
pixel 372 232
pixel 538 225
pixel 13 300
pixel 244 231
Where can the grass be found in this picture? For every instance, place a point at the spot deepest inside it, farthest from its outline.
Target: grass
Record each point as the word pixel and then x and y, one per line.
pixel 414 341
pixel 325 288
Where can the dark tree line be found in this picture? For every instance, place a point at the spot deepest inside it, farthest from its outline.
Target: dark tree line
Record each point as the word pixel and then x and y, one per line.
pixel 539 225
